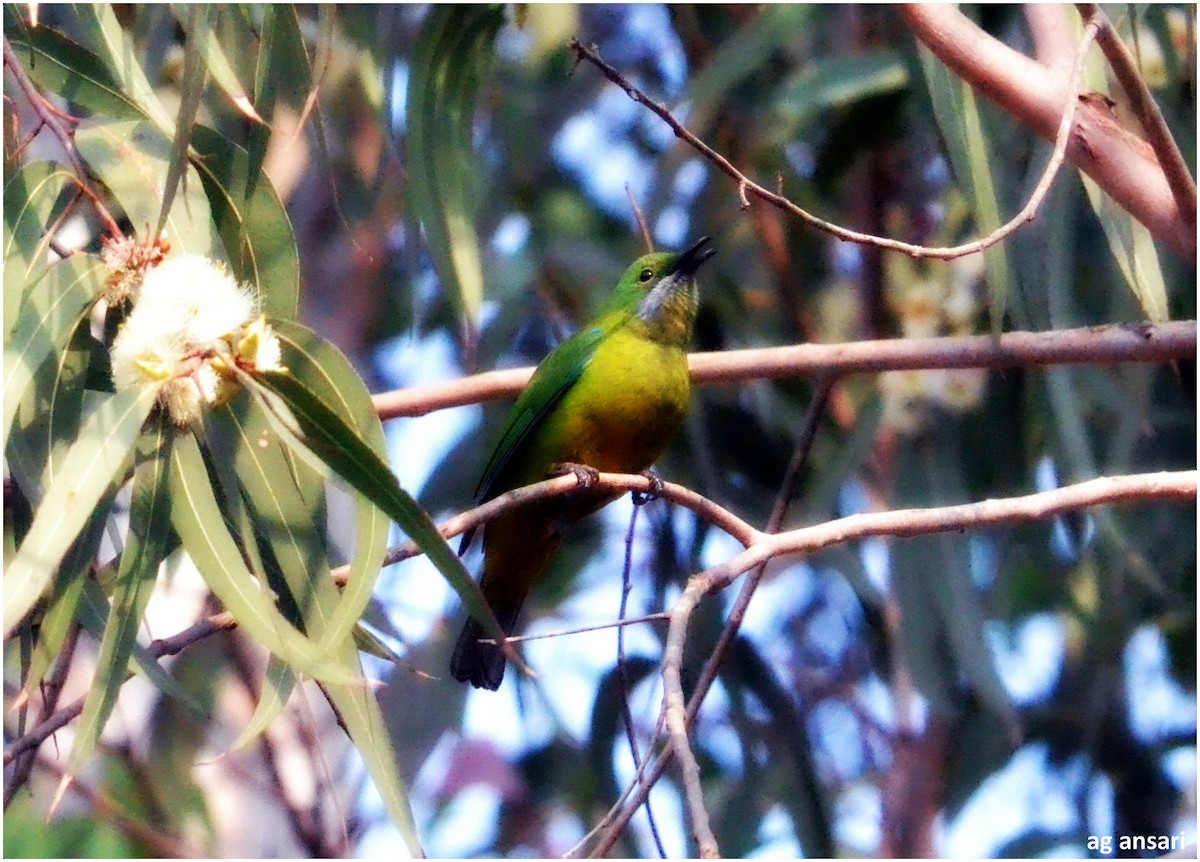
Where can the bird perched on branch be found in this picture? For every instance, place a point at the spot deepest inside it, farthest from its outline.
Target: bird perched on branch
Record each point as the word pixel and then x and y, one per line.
pixel 610 397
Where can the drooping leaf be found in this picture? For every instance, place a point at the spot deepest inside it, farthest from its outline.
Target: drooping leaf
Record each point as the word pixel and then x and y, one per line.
pixel 58 65
pixel 328 373
pixel 205 41
pixel 449 61
pixel 957 113
pixel 29 197
pixel 98 458
pixel 146 545
pixel 360 713
pixel 319 435
pixel 252 223
pixel 120 56
pixel 278 683
pixel 51 312
pixel 196 517
pixel 191 91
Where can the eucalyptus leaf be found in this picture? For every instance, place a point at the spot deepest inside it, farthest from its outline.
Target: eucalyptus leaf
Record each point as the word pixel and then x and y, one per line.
pixel 120 55
pixel 147 543
pixel 277 687
pixel 363 720
pixel 58 65
pixel 50 314
pixel 449 60
pixel 958 117
pixel 133 158
pixel 97 459
pixel 204 40
pixel 196 517
pixel 252 222
pixel 192 91
pixel 319 435
pixel 29 197
pixel 328 373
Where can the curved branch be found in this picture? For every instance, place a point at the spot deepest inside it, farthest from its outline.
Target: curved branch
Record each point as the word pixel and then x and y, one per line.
pixel 1168 486
pixel 1098 344
pixel 1159 135
pixel 1119 161
pixel 745 184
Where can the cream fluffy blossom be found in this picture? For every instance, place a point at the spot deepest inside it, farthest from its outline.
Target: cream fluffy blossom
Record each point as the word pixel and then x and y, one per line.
pixel 190 324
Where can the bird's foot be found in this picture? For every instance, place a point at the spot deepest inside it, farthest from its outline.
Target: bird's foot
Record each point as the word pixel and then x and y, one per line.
pixel 656 488
pixel 586 476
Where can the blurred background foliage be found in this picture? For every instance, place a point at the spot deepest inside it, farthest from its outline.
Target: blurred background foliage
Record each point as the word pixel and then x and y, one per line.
pixel 460 195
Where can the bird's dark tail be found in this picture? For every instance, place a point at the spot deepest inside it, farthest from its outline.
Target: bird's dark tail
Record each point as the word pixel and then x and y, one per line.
pixel 482 664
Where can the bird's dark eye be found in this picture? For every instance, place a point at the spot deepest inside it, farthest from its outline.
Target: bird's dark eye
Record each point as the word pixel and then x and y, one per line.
pixel 645 275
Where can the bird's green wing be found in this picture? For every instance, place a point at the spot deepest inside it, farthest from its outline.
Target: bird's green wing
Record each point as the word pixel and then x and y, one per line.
pixel 553 379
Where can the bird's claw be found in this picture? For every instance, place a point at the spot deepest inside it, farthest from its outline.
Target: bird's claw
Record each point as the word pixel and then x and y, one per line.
pixel 586 476
pixel 641 498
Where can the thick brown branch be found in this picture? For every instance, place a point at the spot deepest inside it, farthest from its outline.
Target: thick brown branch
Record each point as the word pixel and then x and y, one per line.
pixel 1157 133
pixel 1100 344
pixel 1119 161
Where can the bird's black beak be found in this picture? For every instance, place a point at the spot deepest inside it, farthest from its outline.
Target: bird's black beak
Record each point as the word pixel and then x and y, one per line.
pixel 690 260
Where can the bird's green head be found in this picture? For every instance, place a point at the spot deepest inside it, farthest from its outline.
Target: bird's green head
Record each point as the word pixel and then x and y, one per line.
pixel 660 290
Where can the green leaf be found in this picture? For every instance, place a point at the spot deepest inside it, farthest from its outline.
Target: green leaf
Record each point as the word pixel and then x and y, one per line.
pixel 835 82
pixel 147 543
pixel 957 114
pixel 282 513
pixel 58 65
pixel 49 315
pixel 97 459
pixel 330 375
pixel 197 519
pixel 120 55
pixel 734 60
pixel 362 718
pixel 449 62
pixel 133 159
pixel 319 435
pixel 63 600
pixel 277 688
pixel 191 91
pixel 1133 248
pixel 208 47
pixel 93 617
pixel 1131 244
pixel 29 197
pixel 252 222
pixel 49 414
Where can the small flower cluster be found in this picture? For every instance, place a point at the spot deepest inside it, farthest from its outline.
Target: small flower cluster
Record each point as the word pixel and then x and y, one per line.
pixel 191 326
pixel 926 307
pixel 127 261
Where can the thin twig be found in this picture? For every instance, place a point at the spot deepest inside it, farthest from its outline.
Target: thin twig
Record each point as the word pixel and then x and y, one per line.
pixel 50 118
pixel 51 690
pixel 158 649
pixel 623 675
pixel 641 220
pixel 154 838
pixel 737 613
pixel 1097 344
pixel 1169 486
pixel 745 184
pixel 1125 67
